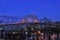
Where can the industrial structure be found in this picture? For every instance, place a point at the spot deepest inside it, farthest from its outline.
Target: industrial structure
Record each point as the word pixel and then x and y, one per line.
pixel 29 27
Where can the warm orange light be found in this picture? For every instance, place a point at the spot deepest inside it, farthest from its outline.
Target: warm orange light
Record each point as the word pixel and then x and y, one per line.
pixel 39 32
pixel 23 21
pixel 36 20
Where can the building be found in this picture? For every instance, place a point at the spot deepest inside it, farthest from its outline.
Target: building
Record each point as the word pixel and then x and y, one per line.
pixel 30 24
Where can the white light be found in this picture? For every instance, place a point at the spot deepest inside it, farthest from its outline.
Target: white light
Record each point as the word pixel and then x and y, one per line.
pixel 42 34
pixel 13 32
pixel 1 28
pixel 31 28
pixel 26 33
pixel 30 20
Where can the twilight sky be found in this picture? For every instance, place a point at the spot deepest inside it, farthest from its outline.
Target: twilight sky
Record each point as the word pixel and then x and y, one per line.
pixel 40 8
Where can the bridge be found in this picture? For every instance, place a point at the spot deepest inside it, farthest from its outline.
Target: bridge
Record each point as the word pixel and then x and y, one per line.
pixel 28 23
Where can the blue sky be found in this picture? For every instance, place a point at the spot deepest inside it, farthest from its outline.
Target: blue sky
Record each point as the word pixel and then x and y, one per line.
pixel 40 8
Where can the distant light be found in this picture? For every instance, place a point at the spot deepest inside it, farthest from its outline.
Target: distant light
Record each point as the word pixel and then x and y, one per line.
pixel 36 20
pixel 29 19
pixel 43 26
pixel 26 32
pixel 42 33
pixel 13 32
pixel 23 21
pixel 31 28
pixel 31 37
pixel 39 32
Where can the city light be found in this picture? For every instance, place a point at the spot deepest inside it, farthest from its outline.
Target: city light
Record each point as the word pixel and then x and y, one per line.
pixel 30 28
